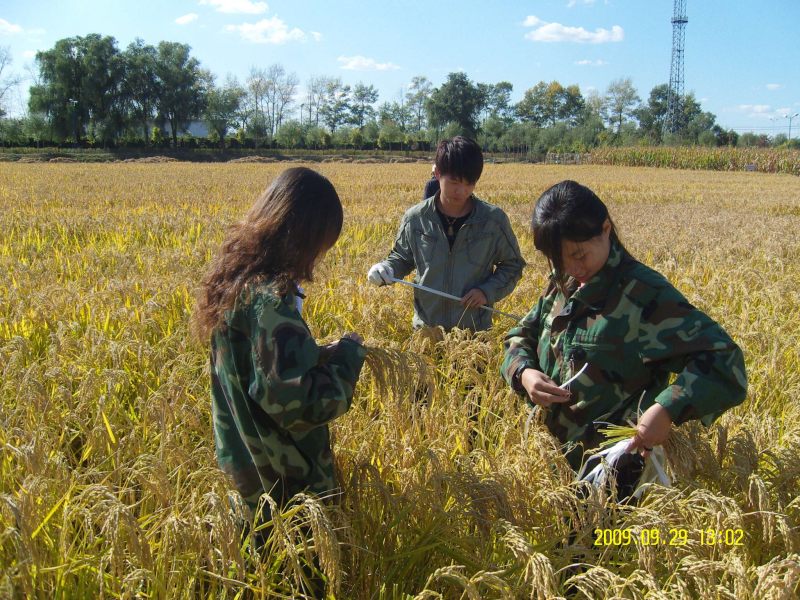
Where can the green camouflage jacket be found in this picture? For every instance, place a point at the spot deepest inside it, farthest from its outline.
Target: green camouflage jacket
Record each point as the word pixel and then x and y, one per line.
pixel 485 255
pixel 273 395
pixel 634 329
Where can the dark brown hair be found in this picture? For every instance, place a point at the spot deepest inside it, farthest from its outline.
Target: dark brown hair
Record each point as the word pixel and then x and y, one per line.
pixel 298 217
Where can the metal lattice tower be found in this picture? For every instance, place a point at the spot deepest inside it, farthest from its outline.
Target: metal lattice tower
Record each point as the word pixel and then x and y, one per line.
pixel 675 96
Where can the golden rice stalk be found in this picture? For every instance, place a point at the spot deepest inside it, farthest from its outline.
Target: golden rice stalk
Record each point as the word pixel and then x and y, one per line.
pixel 779 579
pixel 597 582
pixel 326 544
pixel 398 374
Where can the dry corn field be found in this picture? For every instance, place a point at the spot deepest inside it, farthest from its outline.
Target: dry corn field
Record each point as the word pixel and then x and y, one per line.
pixel 108 481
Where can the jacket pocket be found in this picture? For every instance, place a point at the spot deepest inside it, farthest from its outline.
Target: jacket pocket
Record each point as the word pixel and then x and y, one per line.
pixel 605 353
pixel 480 250
pixel 424 249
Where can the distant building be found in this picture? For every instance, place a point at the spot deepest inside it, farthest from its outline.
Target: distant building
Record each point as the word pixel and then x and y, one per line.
pixel 196 129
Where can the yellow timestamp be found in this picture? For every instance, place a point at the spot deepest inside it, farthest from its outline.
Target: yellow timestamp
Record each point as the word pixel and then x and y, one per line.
pixel 676 536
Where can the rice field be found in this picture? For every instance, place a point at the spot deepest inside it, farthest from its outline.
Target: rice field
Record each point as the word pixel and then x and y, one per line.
pixel 108 482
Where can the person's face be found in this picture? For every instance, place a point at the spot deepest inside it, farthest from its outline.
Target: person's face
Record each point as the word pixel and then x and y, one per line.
pixel 455 192
pixel 583 260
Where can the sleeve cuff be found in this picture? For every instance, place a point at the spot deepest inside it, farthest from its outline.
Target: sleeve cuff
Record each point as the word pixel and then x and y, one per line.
pixel 516 378
pixel 675 406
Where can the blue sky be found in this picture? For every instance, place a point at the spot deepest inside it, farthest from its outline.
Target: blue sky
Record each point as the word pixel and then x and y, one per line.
pixel 742 56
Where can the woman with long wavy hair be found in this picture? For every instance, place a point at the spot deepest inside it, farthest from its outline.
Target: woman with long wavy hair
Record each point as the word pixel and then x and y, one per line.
pixel 273 389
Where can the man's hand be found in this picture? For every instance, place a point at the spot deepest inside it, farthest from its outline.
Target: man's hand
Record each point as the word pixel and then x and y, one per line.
pixel 653 429
pixel 542 390
pixel 380 274
pixel 474 298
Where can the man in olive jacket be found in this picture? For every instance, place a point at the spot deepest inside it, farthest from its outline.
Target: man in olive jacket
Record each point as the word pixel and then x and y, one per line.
pixel 457 243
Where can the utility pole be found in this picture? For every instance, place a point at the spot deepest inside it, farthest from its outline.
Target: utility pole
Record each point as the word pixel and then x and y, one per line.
pixel 675 96
pixel 790 117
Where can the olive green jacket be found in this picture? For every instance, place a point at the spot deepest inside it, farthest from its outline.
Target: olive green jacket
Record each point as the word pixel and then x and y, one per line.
pixel 634 329
pixel 485 255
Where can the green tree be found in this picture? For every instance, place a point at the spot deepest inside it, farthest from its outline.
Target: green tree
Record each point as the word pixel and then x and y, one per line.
pixel 653 116
pixel 754 140
pixel 695 121
pixel 290 135
pixel 395 113
pixel 222 107
pixel 725 138
pixel 361 104
pixel 317 137
pixel 389 134
pixel 496 101
pixel 621 101
pixel 370 134
pixel 140 85
pixel 79 87
pixel 181 89
pixel 457 101
pixel 492 132
pixel 570 105
pixel 533 106
pixel 417 96
pixel 335 107
pixel 280 89
pixel 545 104
pixel 12 131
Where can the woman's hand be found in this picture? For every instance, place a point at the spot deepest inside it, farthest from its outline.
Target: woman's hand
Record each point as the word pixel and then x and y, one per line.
pixel 328 350
pixel 653 429
pixel 542 390
pixel 354 337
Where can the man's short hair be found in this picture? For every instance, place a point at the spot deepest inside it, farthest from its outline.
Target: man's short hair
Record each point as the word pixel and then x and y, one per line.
pixel 460 157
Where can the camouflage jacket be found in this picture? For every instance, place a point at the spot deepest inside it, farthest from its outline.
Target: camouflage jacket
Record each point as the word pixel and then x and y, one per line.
pixel 273 395
pixel 634 329
pixel 485 255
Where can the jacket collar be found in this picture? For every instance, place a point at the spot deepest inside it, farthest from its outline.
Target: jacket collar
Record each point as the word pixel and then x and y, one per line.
pixel 479 208
pixel 595 291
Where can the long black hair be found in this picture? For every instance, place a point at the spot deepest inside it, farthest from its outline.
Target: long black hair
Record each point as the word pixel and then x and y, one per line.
pixel 567 211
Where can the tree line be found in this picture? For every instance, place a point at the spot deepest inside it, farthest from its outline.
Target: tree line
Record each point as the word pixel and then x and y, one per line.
pixel 88 92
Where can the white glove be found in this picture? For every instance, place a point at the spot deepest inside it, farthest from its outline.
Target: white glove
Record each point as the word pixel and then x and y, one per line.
pixel 380 274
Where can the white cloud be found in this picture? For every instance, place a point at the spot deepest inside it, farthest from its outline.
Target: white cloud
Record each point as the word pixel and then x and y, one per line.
pixel 186 19
pixel 243 7
pixel 556 32
pixel 591 63
pixel 7 28
pixel 532 21
pixel 268 31
pixel 756 110
pixel 29 54
pixel 774 86
pixel 362 63
pixel 317 36
pixel 572 3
